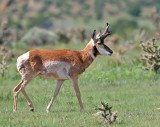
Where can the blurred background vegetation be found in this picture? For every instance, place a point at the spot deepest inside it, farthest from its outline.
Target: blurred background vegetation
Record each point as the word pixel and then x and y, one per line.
pixel 63 18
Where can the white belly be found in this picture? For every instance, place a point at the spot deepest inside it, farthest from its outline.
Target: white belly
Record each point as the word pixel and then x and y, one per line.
pixel 55 70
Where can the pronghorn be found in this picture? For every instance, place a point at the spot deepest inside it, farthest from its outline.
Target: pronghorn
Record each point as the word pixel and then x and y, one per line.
pixel 60 65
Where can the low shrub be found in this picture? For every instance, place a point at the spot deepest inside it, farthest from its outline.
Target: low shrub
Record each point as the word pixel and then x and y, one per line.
pixel 37 36
pixel 152 56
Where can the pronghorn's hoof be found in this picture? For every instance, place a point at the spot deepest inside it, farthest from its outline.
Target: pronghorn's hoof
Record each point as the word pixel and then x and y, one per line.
pixel 47 110
pixel 14 110
pixel 32 109
pixel 82 110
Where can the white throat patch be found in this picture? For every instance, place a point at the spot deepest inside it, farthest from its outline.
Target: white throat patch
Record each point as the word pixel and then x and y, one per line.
pixel 92 41
pixel 91 54
pixel 103 52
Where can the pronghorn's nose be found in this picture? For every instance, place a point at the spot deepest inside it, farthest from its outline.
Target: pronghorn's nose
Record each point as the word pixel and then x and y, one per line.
pixel 111 52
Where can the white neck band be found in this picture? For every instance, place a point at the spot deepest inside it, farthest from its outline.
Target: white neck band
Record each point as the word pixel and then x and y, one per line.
pixel 91 53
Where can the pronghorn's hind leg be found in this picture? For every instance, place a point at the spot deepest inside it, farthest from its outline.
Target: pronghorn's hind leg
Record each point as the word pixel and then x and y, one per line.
pixel 27 76
pixel 16 95
pixel 29 69
pixel 28 100
pixel 58 86
pixel 20 88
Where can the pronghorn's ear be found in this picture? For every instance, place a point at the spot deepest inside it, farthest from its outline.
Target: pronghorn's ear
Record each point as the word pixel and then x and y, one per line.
pixel 93 35
pixel 98 35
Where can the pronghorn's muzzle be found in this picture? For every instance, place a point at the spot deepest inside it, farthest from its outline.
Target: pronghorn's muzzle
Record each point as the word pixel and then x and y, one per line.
pixel 110 52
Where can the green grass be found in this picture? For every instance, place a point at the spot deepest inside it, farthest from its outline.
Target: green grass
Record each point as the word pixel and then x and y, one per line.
pixel 131 91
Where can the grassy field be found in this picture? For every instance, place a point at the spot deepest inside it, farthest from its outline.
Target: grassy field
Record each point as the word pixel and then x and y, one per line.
pixel 131 91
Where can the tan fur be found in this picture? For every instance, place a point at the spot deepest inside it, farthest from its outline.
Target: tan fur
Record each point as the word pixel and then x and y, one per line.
pixel 79 60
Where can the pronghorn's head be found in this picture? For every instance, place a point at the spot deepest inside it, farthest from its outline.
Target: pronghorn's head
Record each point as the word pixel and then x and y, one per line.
pixel 98 42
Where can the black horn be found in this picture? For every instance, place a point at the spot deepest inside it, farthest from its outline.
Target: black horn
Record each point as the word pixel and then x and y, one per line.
pixel 94 33
pixel 106 32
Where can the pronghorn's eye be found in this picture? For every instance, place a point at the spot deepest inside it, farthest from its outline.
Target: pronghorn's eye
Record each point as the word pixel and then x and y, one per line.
pixel 100 43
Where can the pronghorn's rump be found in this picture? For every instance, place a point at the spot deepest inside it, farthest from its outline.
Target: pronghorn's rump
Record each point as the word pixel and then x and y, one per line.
pixel 21 60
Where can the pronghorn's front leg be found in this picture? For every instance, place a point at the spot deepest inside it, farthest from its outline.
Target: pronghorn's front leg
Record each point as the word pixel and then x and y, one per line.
pixel 58 86
pixel 78 94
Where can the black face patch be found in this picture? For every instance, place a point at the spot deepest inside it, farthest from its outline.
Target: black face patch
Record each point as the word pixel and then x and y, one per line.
pixel 95 50
pixel 107 48
pixel 100 43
